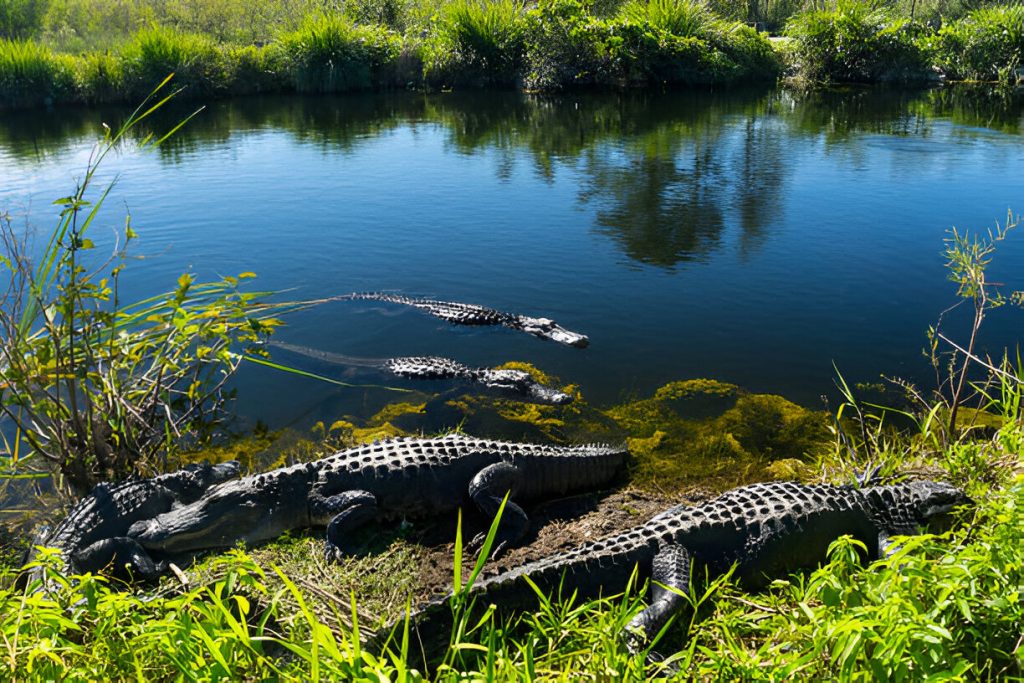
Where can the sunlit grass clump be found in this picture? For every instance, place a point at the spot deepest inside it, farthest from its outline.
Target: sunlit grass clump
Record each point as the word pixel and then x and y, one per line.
pixel 332 54
pixel 31 75
pixel 860 43
pixel 476 42
pixel 194 59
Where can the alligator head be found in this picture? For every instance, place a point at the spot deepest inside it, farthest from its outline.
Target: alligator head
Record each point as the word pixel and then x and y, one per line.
pixel 549 329
pixel 522 385
pixel 933 500
pixel 242 509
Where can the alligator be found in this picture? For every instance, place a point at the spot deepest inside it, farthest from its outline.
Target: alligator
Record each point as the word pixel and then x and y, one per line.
pixel 473 314
pixel 390 479
pixel 764 530
pixel 507 382
pixel 93 535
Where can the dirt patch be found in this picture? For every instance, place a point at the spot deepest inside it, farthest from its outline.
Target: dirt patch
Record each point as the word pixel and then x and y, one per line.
pixel 556 526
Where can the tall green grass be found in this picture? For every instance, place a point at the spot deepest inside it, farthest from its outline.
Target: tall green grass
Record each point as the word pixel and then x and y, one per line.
pixel 476 43
pixel 195 60
pixel 31 75
pixel 332 54
pixel 683 18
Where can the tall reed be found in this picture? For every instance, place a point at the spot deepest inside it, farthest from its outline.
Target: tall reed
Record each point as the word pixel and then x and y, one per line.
pixel 31 75
pixel 329 53
pixel 195 60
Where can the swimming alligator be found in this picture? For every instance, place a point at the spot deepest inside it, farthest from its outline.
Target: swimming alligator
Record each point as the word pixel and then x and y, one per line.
pixel 93 535
pixel 518 384
pixel 473 314
pixel 765 530
pixel 390 479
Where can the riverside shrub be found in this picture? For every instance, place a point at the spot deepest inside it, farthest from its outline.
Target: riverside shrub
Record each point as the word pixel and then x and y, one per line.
pixel 986 45
pixel 856 43
pixel 666 42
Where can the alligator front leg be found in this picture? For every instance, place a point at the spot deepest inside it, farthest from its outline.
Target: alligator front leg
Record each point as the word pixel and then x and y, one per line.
pixel 118 553
pixel 347 511
pixel 488 489
pixel 670 570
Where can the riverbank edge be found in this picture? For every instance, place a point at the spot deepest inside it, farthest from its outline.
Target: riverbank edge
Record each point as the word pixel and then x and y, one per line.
pixel 556 47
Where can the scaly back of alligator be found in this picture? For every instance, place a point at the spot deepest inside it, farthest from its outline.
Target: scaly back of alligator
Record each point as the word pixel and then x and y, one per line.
pixel 766 530
pixel 473 314
pixel 415 470
pixel 414 477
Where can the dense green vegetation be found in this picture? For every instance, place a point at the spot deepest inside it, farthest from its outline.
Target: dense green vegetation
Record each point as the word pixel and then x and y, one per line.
pixel 861 43
pixel 89 51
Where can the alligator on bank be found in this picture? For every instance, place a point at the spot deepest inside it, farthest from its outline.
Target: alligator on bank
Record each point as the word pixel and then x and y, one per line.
pixel 517 384
pixel 384 480
pixel 473 314
pixel 94 534
pixel 766 530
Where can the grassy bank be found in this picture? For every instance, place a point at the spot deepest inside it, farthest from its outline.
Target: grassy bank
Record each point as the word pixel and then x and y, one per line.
pixel 466 43
pixel 470 43
pixel 946 606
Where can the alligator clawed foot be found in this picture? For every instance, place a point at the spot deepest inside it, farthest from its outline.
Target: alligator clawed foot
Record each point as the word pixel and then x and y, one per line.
pixel 476 545
pixel 637 644
pixel 332 553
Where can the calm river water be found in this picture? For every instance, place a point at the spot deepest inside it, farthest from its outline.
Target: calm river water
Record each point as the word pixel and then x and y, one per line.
pixel 754 237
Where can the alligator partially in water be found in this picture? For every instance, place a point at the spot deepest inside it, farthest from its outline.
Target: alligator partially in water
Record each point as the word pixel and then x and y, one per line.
pixel 400 477
pixel 765 530
pixel 94 534
pixel 473 314
pixel 517 384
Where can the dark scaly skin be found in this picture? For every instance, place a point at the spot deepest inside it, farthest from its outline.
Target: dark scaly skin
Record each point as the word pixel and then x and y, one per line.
pixel 414 477
pixel 94 533
pixel 473 314
pixel 515 383
pixel 766 530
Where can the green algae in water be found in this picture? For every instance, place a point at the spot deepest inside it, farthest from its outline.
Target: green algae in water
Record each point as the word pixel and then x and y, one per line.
pixel 688 432
pixel 704 430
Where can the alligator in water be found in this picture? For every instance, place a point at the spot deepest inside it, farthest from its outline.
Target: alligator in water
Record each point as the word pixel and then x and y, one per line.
pixel 765 530
pixel 473 314
pixel 94 534
pixel 517 384
pixel 391 479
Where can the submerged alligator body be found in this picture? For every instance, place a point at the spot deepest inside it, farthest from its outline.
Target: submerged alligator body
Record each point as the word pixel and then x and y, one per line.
pixel 391 479
pixel 766 530
pixel 473 314
pixel 95 532
pixel 517 384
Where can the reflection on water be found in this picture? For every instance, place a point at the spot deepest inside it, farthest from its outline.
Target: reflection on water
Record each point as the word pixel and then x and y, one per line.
pixel 751 236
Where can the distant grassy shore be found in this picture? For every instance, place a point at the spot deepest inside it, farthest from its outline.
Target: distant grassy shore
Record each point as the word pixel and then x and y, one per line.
pixel 77 53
